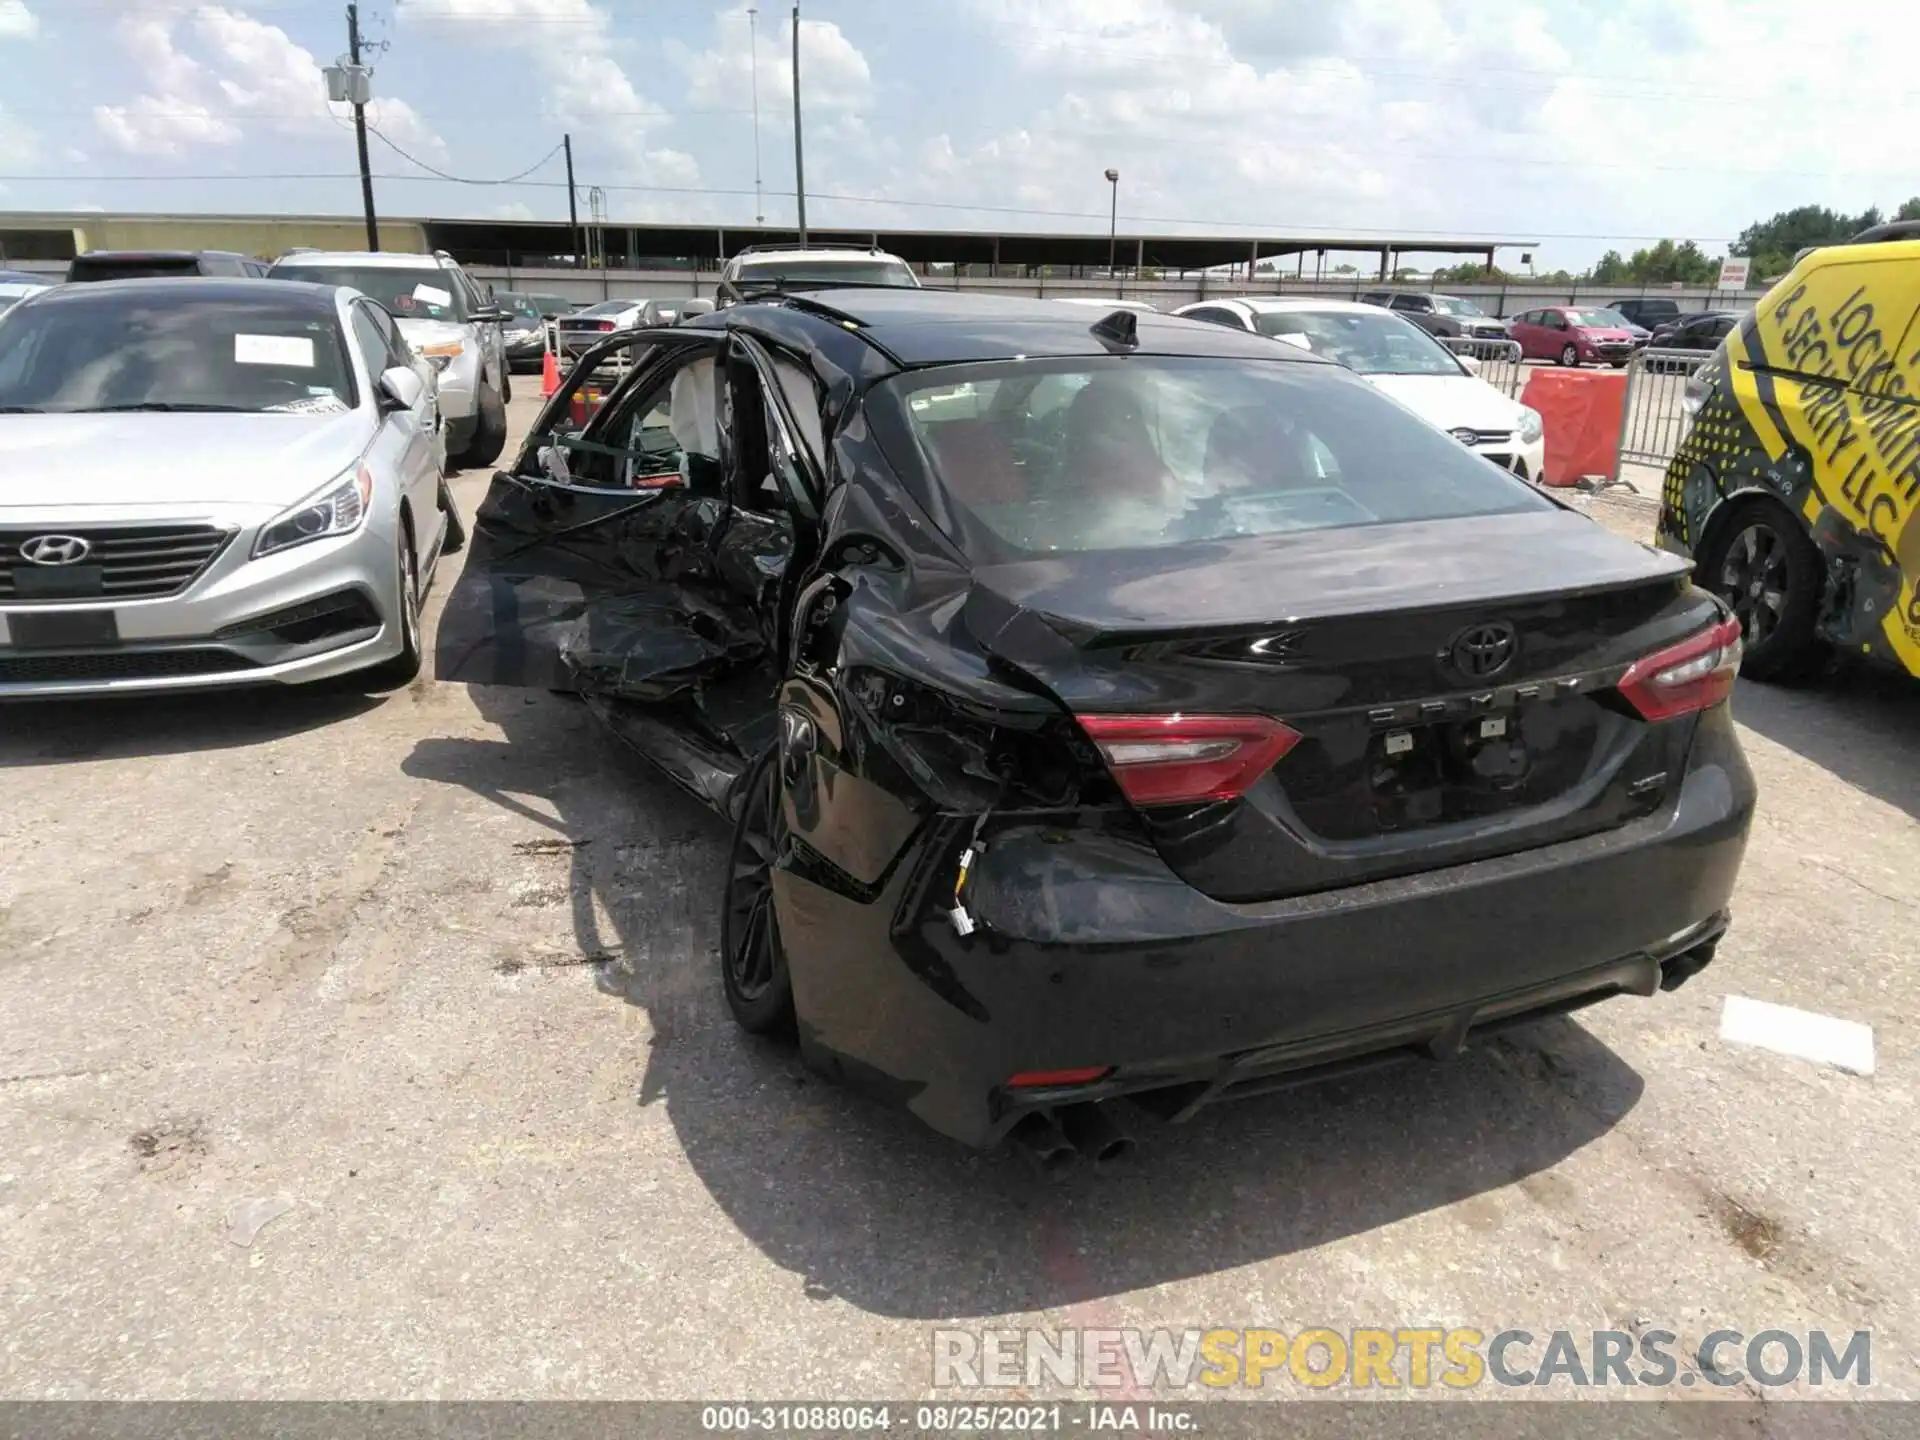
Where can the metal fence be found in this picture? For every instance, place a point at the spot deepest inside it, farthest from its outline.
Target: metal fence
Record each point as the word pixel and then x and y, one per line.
pixel 1497 361
pixel 1654 419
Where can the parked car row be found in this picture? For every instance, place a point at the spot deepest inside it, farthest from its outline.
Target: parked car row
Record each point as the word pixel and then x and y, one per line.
pixel 1022 646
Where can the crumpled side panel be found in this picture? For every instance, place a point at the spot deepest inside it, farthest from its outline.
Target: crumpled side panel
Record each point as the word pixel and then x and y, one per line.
pixel 570 591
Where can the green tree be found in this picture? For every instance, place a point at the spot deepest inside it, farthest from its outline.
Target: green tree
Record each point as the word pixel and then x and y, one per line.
pixel 1909 210
pixel 1771 244
pixel 1611 269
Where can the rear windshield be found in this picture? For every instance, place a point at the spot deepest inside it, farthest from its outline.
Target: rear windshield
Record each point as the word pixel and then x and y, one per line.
pixel 1371 342
pixel 425 293
pixel 1117 453
pixel 133 268
pixel 150 353
pixel 887 274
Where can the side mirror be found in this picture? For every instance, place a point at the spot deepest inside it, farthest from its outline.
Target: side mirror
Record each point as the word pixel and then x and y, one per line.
pixel 1469 363
pixel 487 317
pixel 399 388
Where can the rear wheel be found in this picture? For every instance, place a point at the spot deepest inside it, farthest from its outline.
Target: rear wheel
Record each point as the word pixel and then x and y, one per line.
pixel 1570 356
pixel 1768 570
pixel 401 670
pixel 753 966
pixel 489 432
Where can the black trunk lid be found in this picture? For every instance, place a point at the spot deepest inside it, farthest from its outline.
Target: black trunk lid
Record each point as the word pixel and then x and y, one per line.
pixel 1452 682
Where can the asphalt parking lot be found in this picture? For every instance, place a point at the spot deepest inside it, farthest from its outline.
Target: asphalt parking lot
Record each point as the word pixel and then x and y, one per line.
pixel 374 1048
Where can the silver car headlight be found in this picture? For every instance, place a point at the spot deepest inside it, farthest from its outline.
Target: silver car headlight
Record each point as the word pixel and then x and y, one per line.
pixel 1531 426
pixel 339 509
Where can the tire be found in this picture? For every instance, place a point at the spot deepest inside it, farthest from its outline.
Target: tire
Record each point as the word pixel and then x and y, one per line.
pixel 456 540
pixel 489 434
pixel 404 667
pixel 1570 357
pixel 1618 364
pixel 506 385
pixel 753 966
pixel 1766 567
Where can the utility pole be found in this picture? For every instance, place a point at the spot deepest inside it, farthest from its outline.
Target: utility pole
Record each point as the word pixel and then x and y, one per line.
pixel 753 70
pixel 573 209
pixel 360 129
pixel 799 158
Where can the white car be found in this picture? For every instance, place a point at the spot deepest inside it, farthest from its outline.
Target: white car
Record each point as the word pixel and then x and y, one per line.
pixel 1400 358
pixel 213 482
pixel 761 269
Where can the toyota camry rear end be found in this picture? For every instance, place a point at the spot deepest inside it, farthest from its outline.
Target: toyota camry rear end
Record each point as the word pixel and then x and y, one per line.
pixel 1256 732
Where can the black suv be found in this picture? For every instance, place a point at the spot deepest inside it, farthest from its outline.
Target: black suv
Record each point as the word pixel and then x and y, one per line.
pixel 152 264
pixel 1648 314
pixel 1446 315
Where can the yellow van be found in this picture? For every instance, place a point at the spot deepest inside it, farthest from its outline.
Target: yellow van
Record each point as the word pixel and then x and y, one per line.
pixel 1797 487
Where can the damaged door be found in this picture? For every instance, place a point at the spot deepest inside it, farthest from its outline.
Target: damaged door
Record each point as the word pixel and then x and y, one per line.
pixel 636 554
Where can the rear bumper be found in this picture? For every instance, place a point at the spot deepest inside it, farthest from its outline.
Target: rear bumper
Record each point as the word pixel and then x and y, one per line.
pixel 1090 952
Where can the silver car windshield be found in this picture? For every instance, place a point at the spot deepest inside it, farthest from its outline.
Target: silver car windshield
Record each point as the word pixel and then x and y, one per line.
pixel 1372 342
pixel 121 352
pixel 406 294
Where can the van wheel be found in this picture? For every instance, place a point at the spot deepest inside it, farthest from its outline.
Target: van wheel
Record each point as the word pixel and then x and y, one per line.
pixel 1768 570
pixel 753 964
pixel 1570 357
pixel 489 433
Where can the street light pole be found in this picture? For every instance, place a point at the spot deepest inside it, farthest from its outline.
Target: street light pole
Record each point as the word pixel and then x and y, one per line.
pixel 799 158
pixel 1113 231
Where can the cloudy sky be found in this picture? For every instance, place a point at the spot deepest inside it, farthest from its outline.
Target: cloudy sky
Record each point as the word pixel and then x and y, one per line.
pixel 1577 123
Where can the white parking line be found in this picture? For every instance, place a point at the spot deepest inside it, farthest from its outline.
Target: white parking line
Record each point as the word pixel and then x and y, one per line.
pixel 1843 1044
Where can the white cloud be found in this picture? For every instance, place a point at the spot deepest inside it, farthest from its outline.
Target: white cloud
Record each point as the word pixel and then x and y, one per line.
pixel 17 22
pixel 241 74
pixel 572 47
pixel 834 74
pixel 20 147
pixel 513 210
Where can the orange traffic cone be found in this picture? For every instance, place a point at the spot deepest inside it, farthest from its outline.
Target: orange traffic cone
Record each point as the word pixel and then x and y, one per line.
pixel 549 374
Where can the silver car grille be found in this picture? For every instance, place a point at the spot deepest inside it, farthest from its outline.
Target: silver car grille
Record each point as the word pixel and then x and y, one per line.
pixel 134 562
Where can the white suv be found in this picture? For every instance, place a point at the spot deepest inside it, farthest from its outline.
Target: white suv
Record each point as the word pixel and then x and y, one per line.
pixel 444 317
pixel 784 267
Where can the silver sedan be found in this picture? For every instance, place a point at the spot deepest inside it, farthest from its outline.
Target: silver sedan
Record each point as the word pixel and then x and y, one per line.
pixel 209 482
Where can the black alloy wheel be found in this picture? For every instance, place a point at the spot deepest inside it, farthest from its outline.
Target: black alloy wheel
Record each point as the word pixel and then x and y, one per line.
pixel 1768 570
pixel 753 966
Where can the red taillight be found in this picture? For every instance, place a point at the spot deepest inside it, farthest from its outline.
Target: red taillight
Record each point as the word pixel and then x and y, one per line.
pixel 1188 759
pixel 605 325
pixel 1685 678
pixel 1041 1079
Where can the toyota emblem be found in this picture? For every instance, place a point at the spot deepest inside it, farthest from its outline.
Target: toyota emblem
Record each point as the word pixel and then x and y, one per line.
pixel 1482 651
pixel 56 550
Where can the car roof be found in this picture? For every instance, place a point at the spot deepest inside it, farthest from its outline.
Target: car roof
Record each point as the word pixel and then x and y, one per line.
pixel 292 294
pixel 156 254
pixel 948 327
pixel 828 252
pixel 362 259
pixel 1274 304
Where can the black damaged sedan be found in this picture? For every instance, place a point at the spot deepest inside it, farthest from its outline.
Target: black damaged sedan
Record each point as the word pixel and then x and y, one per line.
pixel 1118 709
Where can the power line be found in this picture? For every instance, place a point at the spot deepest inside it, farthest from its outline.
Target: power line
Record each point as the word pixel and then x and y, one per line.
pixel 461 179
